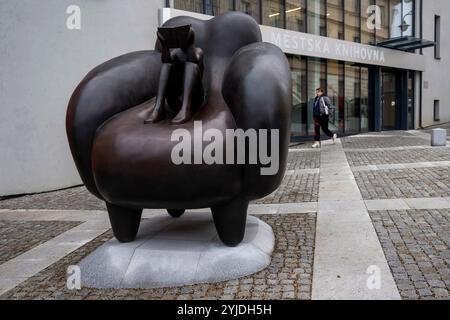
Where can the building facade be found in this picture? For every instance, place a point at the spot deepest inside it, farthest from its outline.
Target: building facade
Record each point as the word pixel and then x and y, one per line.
pixel 338 45
pixel 46 50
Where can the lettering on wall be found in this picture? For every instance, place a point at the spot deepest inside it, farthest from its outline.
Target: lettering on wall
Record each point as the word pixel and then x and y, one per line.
pixel 316 46
pixel 73 21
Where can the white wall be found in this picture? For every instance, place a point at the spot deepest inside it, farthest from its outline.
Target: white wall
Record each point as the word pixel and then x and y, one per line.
pixel 41 62
pixel 437 72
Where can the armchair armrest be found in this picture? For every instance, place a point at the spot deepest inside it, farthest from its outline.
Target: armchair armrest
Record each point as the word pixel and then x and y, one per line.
pixel 257 88
pixel 112 87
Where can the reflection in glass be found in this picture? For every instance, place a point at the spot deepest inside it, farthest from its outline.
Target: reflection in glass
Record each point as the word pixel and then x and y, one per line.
pixel 335 19
pixel 352 98
pixel 316 17
pixel 408 17
pixel 317 77
pixel 364 99
pixel 216 7
pixel 273 13
pixel 352 20
pixel 189 5
pixel 335 91
pixel 396 18
pixel 250 7
pixel 383 33
pixel 299 96
pixel 367 26
pixel 295 15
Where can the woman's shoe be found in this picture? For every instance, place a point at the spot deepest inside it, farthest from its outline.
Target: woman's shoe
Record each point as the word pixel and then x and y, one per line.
pixel 316 145
pixel 334 138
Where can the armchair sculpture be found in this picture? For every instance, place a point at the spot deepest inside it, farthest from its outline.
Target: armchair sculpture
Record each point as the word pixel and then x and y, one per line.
pixel 122 116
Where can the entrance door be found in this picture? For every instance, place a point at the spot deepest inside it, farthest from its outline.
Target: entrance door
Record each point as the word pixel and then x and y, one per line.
pixel 389 101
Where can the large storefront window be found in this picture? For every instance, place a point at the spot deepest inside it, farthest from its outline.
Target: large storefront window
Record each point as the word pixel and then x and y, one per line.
pixel 364 99
pixel 335 19
pixel 335 91
pixel 296 15
pixel 346 84
pixel 317 78
pixel 299 96
pixel 316 13
pixel 273 13
pixel 352 98
pixel 250 7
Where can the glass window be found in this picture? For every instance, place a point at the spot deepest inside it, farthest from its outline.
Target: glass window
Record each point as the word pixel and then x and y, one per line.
pixel 317 77
pixel 352 98
pixel 250 7
pixel 296 15
pixel 352 20
pixel 335 91
pixel 189 5
pixel 335 19
pixel 316 17
pixel 216 7
pixel 368 26
pixel 299 95
pixel 364 99
pixel 273 13
pixel 396 19
pixel 383 32
pixel 408 17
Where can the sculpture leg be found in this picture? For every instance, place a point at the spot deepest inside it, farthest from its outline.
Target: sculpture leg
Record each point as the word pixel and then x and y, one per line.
pixel 176 213
pixel 124 221
pixel 230 221
pixel 158 113
pixel 192 81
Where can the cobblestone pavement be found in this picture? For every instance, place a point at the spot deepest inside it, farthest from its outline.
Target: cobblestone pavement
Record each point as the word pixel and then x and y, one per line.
pixel 404 183
pixel 17 237
pixel 303 160
pixel 357 158
pixel 69 199
pixel 362 142
pixel 417 247
pixel 295 188
pixel 289 275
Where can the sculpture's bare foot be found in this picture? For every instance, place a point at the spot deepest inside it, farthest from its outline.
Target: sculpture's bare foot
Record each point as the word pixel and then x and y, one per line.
pixel 157 115
pixel 183 116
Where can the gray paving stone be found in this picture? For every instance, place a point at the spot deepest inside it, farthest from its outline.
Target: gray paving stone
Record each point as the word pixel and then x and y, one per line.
pixel 414 272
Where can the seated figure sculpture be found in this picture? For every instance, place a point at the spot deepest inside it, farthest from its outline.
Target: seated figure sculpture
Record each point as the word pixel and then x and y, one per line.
pixel 181 76
pixel 122 116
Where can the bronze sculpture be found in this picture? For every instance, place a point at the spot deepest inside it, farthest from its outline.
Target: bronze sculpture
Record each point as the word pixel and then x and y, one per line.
pixel 121 118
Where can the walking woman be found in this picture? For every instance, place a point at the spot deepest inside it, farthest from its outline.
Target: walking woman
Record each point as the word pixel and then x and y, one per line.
pixel 322 109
